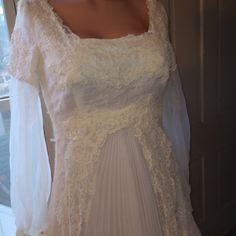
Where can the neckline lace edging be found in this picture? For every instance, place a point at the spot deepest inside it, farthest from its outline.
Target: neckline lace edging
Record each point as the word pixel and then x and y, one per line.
pixel 66 30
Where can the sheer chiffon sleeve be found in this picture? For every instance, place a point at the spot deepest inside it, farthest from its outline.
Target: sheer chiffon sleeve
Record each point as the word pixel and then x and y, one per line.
pixel 30 174
pixel 176 122
pixel 175 114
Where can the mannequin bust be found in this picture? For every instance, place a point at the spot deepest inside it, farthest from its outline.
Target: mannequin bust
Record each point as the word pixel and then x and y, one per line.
pixel 103 18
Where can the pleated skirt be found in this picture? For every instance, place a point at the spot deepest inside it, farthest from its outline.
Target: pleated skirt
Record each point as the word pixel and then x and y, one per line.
pixel 124 203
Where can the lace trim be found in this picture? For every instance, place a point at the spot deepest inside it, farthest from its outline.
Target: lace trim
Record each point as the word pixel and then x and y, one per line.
pixel 161 25
pixel 69 33
pixel 23 59
pixel 86 133
pixel 158 26
pixel 85 55
pixel 128 68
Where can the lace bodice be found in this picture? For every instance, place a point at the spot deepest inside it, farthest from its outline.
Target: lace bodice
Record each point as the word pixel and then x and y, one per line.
pixel 92 88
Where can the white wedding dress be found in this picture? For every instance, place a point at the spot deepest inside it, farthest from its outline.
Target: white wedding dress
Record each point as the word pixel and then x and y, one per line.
pixel 120 124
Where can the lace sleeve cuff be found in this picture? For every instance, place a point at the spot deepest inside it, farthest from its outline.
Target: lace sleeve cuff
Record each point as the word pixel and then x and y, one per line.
pixel 24 53
pixel 162 27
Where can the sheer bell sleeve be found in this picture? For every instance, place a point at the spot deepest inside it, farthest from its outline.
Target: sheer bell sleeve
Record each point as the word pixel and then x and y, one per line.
pixel 30 173
pixel 175 114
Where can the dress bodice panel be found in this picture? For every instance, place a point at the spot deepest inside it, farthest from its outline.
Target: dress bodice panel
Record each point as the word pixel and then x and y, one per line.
pixel 97 73
pixel 106 77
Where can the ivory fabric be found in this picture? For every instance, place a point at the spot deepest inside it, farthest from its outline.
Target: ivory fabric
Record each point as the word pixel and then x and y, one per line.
pixel 121 129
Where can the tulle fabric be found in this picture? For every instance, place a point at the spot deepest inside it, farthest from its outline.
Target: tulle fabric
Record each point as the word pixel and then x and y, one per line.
pixel 31 174
pixel 176 122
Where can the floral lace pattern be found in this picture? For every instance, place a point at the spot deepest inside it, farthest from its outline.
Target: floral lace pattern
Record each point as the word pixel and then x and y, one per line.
pixel 86 133
pixel 93 88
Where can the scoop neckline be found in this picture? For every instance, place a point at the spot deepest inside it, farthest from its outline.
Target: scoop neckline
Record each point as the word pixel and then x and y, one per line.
pixel 67 31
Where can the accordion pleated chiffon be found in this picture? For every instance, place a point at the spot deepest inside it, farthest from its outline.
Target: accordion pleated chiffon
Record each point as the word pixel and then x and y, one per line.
pixel 124 202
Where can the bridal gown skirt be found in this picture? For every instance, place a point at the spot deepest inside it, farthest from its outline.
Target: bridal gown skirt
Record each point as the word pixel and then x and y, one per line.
pixel 124 203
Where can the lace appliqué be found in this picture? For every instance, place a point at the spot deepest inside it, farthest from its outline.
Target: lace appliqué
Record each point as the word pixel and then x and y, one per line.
pixel 88 54
pixel 86 133
pixel 23 59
